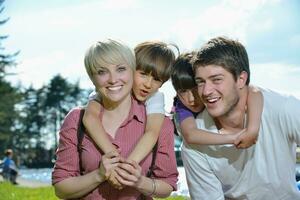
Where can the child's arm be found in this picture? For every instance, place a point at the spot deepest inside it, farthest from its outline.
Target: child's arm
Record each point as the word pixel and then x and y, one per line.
pixel 155 117
pixel 148 140
pixel 254 109
pixel 94 127
pixel 193 135
pixel 97 133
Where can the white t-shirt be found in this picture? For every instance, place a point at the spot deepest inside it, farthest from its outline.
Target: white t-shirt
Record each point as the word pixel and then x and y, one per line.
pixel 265 171
pixel 154 104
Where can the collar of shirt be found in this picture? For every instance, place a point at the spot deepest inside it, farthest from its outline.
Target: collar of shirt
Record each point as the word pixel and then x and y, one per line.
pixel 137 112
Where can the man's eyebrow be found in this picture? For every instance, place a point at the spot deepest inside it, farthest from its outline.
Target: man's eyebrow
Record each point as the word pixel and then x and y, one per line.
pixel 212 76
pixel 198 79
pixel 215 75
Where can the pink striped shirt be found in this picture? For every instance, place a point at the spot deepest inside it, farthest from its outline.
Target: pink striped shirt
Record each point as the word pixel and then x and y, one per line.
pixel 127 136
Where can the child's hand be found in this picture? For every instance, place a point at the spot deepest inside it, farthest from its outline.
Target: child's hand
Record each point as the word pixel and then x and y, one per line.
pixel 111 174
pixel 107 167
pixel 113 180
pixel 245 139
pixel 232 134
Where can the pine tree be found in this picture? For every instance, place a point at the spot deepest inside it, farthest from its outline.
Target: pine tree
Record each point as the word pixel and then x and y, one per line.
pixel 10 95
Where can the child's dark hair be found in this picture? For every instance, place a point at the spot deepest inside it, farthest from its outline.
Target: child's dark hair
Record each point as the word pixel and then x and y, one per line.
pixel 182 72
pixel 155 57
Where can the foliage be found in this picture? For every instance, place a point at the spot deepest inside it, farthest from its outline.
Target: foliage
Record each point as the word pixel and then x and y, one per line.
pixel 9 191
pixel 10 95
pixel 6 59
pixel 61 96
pixel 41 113
pixel 28 115
pixel 8 98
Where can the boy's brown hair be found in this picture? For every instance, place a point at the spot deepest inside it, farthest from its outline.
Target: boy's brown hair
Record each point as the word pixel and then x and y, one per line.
pixel 155 58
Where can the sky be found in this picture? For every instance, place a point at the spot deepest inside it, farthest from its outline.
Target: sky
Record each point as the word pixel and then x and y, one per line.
pixel 52 36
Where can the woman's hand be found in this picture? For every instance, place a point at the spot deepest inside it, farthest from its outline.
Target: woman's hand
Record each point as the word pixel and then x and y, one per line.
pixel 130 173
pixel 109 161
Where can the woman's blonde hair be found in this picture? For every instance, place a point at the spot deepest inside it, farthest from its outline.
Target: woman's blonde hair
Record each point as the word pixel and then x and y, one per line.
pixel 107 52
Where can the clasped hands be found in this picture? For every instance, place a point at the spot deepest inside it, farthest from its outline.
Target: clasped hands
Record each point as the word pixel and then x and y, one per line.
pixel 242 138
pixel 120 172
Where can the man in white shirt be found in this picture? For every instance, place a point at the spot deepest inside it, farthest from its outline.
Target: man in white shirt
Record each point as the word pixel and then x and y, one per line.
pixel 266 170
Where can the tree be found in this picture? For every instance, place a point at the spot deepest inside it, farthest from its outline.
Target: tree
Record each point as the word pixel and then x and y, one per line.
pixel 61 96
pixel 8 99
pixel 10 95
pixel 6 60
pixel 31 118
pixel 41 113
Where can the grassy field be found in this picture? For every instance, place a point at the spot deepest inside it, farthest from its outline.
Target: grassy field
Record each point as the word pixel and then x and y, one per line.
pixel 9 191
pixel 12 192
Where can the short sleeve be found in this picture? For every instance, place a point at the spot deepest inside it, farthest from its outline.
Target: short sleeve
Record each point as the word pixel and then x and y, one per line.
pixel 165 168
pixel 155 103
pixel 66 164
pixel 201 180
pixel 182 111
pixel 289 118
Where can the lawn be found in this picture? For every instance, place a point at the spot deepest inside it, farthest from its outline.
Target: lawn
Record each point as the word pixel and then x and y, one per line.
pixel 12 192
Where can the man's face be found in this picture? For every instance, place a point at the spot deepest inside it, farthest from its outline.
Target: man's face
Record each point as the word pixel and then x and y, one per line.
pixel 217 89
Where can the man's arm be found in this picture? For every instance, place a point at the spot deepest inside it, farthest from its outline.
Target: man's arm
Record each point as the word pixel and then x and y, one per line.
pixel 202 182
pixel 291 116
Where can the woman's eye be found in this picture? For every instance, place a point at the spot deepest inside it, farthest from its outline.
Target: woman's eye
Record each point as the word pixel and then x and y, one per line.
pixel 121 68
pixel 101 72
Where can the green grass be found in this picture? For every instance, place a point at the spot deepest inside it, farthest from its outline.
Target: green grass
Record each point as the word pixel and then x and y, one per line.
pixel 12 192
pixel 175 198
pixel 9 191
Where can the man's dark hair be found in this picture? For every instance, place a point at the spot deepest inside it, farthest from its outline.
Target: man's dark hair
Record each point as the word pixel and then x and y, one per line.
pixel 225 52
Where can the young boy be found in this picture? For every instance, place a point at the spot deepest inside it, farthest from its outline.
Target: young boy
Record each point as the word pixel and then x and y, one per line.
pixel 188 105
pixel 153 67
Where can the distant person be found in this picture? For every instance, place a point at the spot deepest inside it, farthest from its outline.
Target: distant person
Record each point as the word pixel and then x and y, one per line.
pixel 263 171
pixel 110 66
pixel 10 170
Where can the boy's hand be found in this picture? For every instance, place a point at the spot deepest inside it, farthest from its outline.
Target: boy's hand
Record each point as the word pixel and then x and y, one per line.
pixel 111 178
pixel 245 139
pixel 107 167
